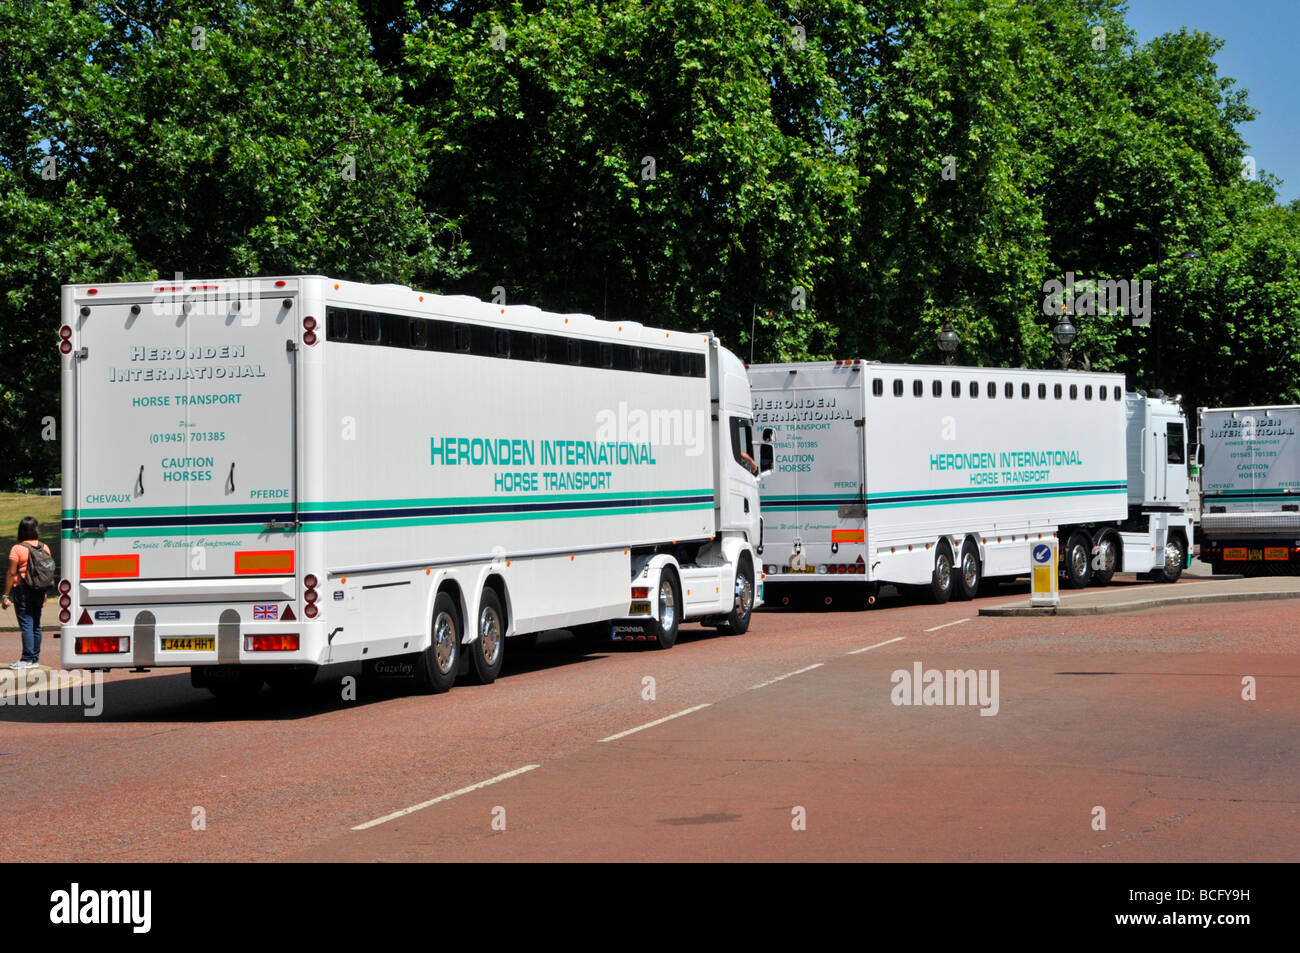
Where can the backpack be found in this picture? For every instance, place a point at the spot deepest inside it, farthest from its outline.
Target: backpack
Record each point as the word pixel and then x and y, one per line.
pixel 40 568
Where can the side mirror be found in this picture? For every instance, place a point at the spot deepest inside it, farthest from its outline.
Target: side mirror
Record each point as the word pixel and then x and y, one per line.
pixel 766 459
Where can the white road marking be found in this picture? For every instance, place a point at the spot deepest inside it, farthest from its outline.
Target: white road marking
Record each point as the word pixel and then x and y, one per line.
pixel 445 797
pixel 877 645
pixel 651 724
pixel 785 676
pixel 946 624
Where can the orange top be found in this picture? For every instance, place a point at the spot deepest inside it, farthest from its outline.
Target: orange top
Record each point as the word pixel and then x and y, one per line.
pixel 21 553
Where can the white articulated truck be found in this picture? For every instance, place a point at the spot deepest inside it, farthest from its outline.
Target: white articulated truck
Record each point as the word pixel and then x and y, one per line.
pixel 264 476
pixel 939 477
pixel 1250 489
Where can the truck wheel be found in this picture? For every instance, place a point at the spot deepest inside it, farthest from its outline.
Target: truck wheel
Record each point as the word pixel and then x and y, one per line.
pixel 737 622
pixel 968 573
pixel 1078 560
pixel 1175 559
pixel 941 582
pixel 1106 561
pixel 435 667
pixel 670 609
pixel 488 651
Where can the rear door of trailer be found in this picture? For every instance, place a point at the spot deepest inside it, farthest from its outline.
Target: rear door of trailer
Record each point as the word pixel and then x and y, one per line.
pixel 183 424
pixel 815 495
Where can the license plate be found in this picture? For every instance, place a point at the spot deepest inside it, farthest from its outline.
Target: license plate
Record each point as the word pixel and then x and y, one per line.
pixel 207 644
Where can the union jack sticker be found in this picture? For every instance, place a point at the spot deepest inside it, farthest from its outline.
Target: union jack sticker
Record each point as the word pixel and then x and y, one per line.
pixel 266 613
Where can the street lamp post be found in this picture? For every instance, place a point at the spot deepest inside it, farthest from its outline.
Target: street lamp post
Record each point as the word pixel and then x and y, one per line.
pixel 1064 334
pixel 948 341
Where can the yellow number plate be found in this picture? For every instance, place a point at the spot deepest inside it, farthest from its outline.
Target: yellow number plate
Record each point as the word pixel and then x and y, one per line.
pixel 207 644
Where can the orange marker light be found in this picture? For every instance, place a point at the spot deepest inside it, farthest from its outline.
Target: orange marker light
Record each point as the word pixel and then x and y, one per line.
pixel 264 562
pixel 110 567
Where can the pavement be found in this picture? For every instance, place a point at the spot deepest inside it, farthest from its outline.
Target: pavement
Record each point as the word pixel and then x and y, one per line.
pixel 1128 594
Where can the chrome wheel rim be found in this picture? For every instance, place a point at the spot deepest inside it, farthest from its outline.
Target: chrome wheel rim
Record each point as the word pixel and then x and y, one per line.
pixel 1106 555
pixel 970 570
pixel 1079 560
pixel 1173 557
pixel 744 594
pixel 943 571
pixel 489 635
pixel 667 606
pixel 444 642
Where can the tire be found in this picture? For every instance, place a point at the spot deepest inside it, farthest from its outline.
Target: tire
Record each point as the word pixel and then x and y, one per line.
pixel 969 574
pixel 1175 560
pixel 488 651
pixel 1106 561
pixel 670 609
pixel 941 578
pixel 742 610
pixel 435 667
pixel 1076 561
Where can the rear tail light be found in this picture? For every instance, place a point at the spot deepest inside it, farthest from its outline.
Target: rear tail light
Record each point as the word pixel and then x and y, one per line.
pixel 309 580
pixel 640 592
pixel 309 338
pixel 65 333
pixel 310 611
pixel 103 645
pixel 65 587
pixel 310 595
pixel 65 347
pixel 65 602
pixel 271 643
pixel 65 616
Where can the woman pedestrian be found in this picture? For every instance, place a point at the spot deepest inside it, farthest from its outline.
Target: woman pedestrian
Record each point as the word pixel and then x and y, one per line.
pixel 27 600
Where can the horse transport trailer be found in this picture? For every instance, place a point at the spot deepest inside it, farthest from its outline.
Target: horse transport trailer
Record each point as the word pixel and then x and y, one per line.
pixel 939 477
pixel 1250 489
pixel 264 476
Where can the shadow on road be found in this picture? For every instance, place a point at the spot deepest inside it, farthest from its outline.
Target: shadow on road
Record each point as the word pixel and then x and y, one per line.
pixel 167 697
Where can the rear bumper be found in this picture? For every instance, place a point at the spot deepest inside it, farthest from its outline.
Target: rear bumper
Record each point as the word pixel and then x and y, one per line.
pixel 144 647
pixel 1251 550
pixel 813 578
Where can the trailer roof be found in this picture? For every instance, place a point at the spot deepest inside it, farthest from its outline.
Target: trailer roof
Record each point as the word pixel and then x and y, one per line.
pixel 395 296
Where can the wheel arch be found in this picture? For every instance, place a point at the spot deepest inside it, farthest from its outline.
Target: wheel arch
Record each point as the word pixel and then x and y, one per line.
pixel 497 583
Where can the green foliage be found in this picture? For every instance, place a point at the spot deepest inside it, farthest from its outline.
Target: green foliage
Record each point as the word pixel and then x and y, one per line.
pixel 808 178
